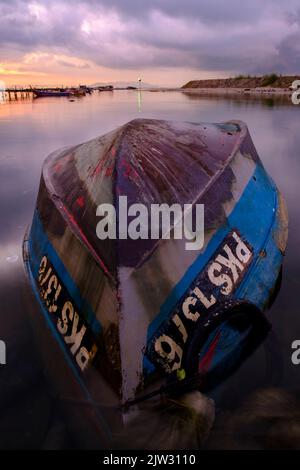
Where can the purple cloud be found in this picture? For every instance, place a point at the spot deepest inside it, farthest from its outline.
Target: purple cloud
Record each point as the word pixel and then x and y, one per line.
pixel 215 36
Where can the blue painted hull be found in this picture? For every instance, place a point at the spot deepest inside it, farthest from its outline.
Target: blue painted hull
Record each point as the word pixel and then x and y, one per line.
pixel 122 315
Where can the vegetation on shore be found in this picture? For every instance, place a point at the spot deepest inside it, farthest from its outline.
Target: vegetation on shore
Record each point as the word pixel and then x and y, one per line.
pixel 245 81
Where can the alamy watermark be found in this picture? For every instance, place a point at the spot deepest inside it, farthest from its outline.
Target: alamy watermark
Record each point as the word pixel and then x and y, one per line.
pixel 296 93
pixel 2 352
pixel 296 354
pixel 161 221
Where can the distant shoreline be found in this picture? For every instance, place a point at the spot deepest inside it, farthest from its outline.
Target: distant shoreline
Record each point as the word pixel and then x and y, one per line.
pixel 266 91
pixel 264 85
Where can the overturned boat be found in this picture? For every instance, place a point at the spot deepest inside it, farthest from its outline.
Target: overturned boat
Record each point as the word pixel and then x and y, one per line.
pixel 120 319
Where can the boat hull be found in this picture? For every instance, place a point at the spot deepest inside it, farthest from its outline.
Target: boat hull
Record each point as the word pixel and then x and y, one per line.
pixel 109 307
pixel 42 93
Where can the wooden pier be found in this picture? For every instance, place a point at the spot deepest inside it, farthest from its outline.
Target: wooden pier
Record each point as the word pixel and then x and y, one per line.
pixel 19 93
pixel 15 94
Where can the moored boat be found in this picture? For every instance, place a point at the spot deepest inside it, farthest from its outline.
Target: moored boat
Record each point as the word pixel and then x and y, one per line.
pixel 77 92
pixel 105 88
pixel 86 89
pixel 39 93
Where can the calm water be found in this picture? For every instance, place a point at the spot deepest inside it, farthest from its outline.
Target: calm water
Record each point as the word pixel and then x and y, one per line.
pixel 30 130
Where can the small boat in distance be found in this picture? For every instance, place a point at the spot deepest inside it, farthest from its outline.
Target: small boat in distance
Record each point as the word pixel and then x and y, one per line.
pixel 85 89
pixel 45 93
pixel 105 88
pixel 75 92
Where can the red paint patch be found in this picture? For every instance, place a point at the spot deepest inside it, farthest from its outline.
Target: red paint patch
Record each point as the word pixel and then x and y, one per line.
pixel 134 174
pixel 109 170
pixel 98 168
pixel 127 170
pixel 206 361
pixel 57 166
pixel 80 201
pixel 72 219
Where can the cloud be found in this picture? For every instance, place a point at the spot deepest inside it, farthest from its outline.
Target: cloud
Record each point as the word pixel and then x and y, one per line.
pixel 65 63
pixel 5 71
pixel 49 60
pixel 221 36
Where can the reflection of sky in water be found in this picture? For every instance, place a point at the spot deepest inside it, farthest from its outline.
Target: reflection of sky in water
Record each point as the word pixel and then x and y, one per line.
pixel 30 130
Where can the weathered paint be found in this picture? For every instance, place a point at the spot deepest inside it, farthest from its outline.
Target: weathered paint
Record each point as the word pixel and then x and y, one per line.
pixel 127 292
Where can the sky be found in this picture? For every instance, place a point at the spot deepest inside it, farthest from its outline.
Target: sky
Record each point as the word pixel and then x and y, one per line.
pixel 165 42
